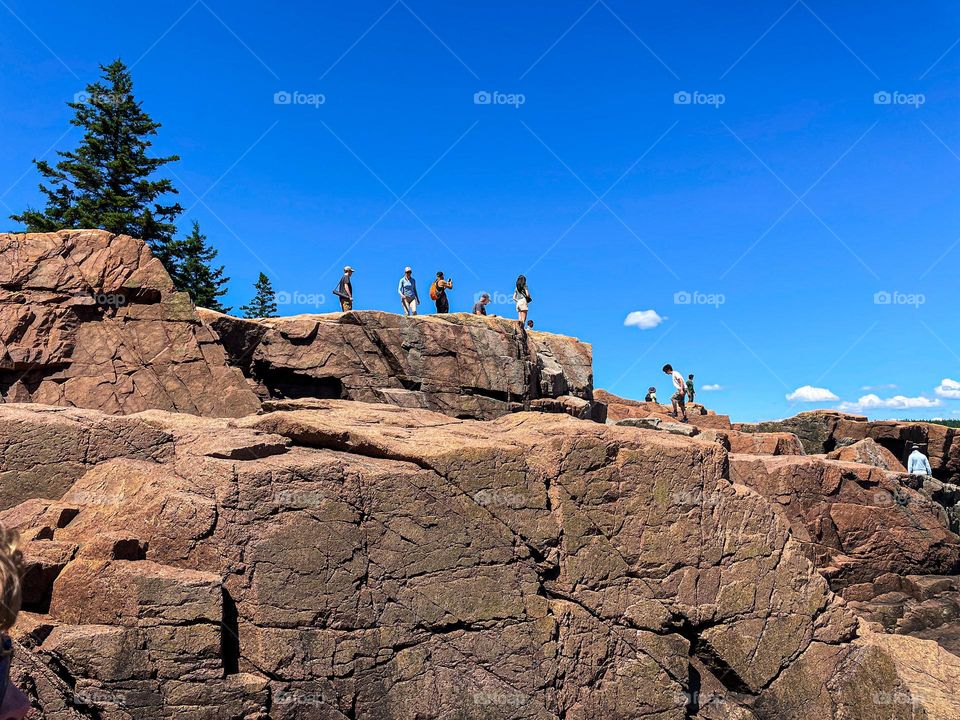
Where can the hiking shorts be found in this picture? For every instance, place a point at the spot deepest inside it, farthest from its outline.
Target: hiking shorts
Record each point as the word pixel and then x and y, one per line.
pixel 679 396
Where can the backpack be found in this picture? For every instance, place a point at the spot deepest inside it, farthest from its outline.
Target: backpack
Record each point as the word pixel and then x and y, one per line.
pixel 433 290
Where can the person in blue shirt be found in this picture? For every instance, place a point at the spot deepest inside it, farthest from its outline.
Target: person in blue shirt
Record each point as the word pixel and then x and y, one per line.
pixel 409 298
pixel 917 463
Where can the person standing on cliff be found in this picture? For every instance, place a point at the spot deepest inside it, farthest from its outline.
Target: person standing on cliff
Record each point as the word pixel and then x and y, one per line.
pixel 409 298
pixel 679 391
pixel 480 306
pixel 344 290
pixel 917 463
pixel 438 293
pixel 521 296
pixel 690 389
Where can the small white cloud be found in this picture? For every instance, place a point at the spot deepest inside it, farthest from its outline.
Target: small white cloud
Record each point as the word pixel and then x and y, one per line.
pixel 897 402
pixel 948 388
pixel 644 319
pixel 711 387
pixel 808 393
pixel 873 388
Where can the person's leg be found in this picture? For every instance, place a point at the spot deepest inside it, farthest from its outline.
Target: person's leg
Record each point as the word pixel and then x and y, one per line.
pixel 683 407
pixel 406 306
pixel 413 306
pixel 673 404
pixel 443 305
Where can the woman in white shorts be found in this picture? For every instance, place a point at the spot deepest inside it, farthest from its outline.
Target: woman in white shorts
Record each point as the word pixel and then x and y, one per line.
pixel 521 296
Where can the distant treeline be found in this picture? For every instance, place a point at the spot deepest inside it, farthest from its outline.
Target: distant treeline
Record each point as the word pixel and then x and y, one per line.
pixel 947 423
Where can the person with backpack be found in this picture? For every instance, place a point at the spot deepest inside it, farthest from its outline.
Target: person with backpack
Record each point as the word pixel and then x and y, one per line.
pixel 409 299
pixel 521 296
pixel 438 293
pixel 679 391
pixel 344 290
pixel 651 395
pixel 690 389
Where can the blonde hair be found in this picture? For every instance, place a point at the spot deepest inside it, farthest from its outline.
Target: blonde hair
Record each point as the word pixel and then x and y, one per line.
pixel 11 572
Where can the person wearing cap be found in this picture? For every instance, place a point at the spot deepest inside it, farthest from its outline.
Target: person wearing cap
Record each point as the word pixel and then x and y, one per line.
pixel 917 463
pixel 651 395
pixel 409 298
pixel 344 290
pixel 480 306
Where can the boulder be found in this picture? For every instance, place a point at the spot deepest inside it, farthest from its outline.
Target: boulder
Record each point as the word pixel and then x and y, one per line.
pixel 856 522
pixel 349 559
pixel 91 319
pixel 765 443
pixel 457 364
pixel 868 452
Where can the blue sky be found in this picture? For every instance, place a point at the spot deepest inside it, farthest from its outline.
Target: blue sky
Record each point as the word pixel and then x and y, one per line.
pixel 729 166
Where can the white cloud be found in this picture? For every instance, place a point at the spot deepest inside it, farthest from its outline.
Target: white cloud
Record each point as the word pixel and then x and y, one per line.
pixel 948 388
pixel 711 387
pixel 872 388
pixel 808 393
pixel 644 319
pixel 897 402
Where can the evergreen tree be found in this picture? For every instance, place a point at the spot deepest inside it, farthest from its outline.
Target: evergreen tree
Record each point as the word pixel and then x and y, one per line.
pixel 108 180
pixel 264 303
pixel 192 271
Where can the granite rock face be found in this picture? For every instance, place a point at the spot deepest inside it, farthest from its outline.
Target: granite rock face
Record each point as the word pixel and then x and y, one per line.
pixel 461 365
pixel 91 319
pixel 828 431
pixel 341 559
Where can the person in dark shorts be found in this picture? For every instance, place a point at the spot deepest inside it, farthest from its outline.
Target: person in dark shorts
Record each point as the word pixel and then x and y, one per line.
pixel 690 388
pixel 439 293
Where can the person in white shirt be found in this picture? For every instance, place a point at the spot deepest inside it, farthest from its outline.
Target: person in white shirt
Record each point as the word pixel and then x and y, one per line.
pixel 409 298
pixel 679 391
pixel 917 463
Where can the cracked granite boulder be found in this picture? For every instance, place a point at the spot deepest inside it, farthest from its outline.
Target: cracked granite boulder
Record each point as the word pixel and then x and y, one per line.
pixel 458 364
pixel 355 560
pixel 91 319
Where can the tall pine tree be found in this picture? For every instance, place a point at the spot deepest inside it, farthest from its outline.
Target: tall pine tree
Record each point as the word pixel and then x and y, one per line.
pixel 193 273
pixel 109 180
pixel 264 302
